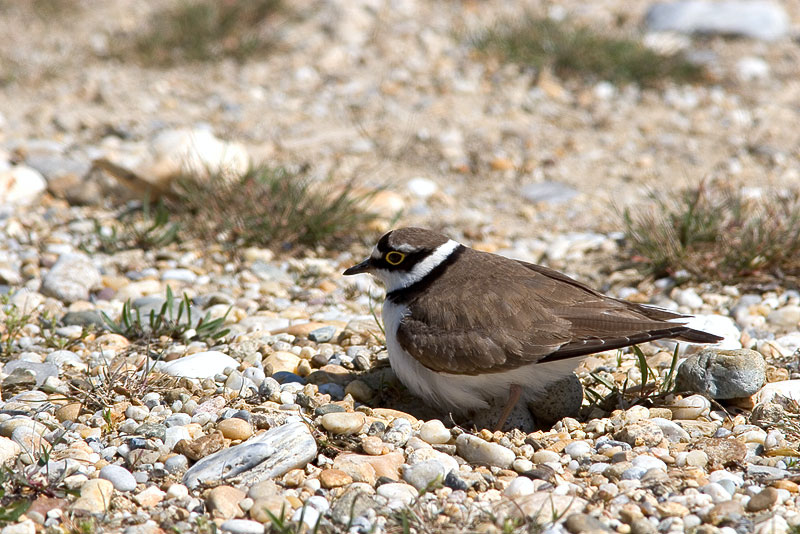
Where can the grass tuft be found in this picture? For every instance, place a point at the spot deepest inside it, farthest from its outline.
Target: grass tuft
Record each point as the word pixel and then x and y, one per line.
pixel 273 206
pixel 173 320
pixel 140 227
pixel 717 232
pixel 577 51
pixel 204 30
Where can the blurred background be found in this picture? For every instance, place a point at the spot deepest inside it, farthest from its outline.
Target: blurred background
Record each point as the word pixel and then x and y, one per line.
pixel 664 128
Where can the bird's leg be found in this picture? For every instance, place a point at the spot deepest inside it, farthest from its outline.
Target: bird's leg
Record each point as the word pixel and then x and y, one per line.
pixel 514 393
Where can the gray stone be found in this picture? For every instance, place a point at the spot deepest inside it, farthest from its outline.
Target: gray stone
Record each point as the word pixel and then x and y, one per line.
pixel 121 478
pixel 549 192
pixel 84 318
pixel 352 503
pixel 40 371
pixel 750 18
pixel 179 275
pixel 322 335
pixel 176 464
pixel 425 475
pixel 262 457
pixel 71 278
pixel 723 374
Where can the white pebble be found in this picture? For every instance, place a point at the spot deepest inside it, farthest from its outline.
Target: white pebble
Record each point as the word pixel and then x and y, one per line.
pixel 519 487
pixel 578 449
pixel 434 432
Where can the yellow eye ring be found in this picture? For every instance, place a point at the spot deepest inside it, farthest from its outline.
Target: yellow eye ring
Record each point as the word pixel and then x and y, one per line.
pixel 394 257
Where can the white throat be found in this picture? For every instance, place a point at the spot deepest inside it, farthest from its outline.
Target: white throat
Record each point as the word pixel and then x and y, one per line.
pixel 394 280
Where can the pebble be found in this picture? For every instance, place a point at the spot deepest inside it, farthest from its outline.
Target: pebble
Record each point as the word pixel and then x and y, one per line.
pixel 722 452
pixel 121 478
pixel 334 478
pixel 763 500
pixel 20 185
pixel 434 432
pixel 398 495
pixel 476 450
pixel 578 449
pixel 223 501
pixel 242 526
pixel 71 278
pixel 177 491
pixel 205 364
pixel 757 19
pixel 425 475
pixel 235 429
pixel 545 456
pixel 690 408
pixel 149 497
pixel 270 454
pixel 723 374
pixel 671 430
pixel 519 487
pixel 642 433
pixel 95 497
pixel 344 422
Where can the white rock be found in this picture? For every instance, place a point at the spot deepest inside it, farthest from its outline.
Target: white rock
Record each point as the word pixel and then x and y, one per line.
pixel 787 389
pixel 23 527
pixel 544 456
pixel 9 449
pixel 751 18
pixel 520 487
pixel 71 278
pixel 690 407
pixel 20 185
pixel 205 364
pixel 478 451
pixel 774 525
pixel 399 495
pixel 687 297
pixel 672 431
pixel 722 474
pixel 242 526
pixel 177 491
pixel 422 187
pixel 719 325
pixel 787 317
pixel 195 152
pixel 752 68
pixel 434 432
pixel 647 462
pixel 578 449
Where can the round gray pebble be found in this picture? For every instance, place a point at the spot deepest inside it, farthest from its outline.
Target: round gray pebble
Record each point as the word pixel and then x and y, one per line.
pixel 120 478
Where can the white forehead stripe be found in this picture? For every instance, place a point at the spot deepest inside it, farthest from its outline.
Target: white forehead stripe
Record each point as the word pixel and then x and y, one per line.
pixel 405 247
pixel 399 279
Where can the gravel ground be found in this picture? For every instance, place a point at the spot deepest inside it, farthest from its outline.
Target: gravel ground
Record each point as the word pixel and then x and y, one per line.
pixel 295 410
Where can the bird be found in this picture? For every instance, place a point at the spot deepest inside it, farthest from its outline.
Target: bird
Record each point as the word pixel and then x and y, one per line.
pixel 466 328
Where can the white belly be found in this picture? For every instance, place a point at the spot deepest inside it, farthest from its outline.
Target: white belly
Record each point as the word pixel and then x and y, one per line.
pixel 463 393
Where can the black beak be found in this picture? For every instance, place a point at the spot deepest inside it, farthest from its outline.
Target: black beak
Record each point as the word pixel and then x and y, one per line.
pixel 363 267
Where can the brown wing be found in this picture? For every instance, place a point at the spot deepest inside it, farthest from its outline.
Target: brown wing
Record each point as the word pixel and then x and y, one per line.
pixel 525 314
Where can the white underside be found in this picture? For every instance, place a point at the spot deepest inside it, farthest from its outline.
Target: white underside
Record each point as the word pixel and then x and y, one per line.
pixel 462 393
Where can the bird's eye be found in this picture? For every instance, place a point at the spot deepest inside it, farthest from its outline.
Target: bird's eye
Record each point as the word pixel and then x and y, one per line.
pixel 394 257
